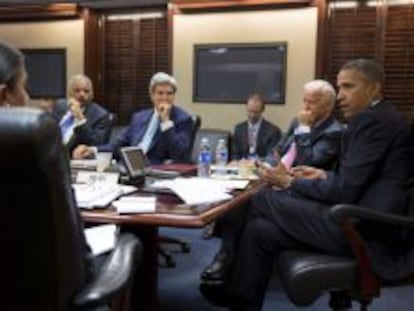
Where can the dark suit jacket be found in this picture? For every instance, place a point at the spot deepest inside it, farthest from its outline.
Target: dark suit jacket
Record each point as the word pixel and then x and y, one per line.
pixel 319 148
pixel 173 143
pixel 267 137
pixel 372 173
pixel 94 132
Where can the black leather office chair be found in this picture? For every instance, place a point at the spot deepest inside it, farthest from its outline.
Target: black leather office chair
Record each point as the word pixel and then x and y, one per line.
pixel 113 119
pixel 45 262
pixel 184 246
pixel 305 276
pixel 195 129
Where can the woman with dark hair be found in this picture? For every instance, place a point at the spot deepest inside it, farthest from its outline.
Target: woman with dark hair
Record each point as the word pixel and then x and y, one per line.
pixel 13 77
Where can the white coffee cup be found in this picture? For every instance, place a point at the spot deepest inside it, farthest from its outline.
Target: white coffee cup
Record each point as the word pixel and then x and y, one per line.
pixel 103 160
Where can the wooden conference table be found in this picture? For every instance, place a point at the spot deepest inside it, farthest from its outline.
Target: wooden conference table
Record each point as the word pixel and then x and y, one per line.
pixel 170 212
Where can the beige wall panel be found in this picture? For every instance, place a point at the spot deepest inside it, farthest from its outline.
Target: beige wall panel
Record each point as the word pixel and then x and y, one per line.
pixel 55 34
pixel 295 26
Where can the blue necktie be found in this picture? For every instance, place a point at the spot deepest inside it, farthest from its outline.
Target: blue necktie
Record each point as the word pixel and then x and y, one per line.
pixel 65 125
pixel 149 133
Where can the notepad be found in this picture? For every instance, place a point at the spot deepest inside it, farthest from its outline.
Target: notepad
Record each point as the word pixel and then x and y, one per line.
pixel 101 239
pixel 135 205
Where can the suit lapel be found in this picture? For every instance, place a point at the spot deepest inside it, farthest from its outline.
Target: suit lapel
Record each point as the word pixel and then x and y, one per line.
pixel 157 135
pixel 318 130
pixel 140 126
pixel 261 134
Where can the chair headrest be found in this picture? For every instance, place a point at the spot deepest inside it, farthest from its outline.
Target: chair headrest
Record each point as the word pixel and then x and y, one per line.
pixel 31 129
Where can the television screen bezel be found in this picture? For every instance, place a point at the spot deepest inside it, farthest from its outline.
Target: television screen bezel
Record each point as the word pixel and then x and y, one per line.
pixel 59 51
pixel 278 44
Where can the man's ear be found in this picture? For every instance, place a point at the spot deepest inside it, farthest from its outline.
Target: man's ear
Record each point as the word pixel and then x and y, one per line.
pixel 375 90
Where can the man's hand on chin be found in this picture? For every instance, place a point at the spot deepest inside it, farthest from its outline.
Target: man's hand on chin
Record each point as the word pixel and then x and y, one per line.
pixel 164 111
pixel 306 117
pixel 76 109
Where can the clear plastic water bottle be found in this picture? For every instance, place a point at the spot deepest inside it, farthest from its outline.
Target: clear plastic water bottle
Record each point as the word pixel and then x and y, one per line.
pixel 222 157
pixel 204 158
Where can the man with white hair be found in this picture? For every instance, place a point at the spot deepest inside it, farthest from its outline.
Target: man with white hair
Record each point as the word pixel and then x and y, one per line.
pixel 81 120
pixel 162 132
pixel 313 138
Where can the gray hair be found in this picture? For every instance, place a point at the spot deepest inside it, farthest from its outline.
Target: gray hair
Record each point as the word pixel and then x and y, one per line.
pixel 322 87
pixel 80 77
pixel 162 78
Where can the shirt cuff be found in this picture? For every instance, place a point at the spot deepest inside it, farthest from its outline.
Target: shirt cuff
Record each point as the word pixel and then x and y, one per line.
pixel 166 125
pixel 79 123
pixel 302 129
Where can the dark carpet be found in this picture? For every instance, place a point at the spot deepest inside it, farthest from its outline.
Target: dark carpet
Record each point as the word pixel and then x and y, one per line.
pixel 178 287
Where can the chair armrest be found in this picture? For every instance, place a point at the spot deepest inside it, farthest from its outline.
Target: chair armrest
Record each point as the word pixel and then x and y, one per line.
pixel 343 212
pixel 114 275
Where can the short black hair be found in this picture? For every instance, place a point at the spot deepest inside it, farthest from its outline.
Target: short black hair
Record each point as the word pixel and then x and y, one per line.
pixel 11 63
pixel 368 67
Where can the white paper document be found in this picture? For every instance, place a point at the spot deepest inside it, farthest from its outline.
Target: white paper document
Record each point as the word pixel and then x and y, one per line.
pixel 83 164
pixel 97 194
pixel 101 239
pixel 197 190
pixel 232 184
pixel 132 205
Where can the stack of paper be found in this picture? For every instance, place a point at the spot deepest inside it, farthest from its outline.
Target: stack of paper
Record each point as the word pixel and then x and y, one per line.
pixel 197 190
pixel 132 205
pixel 97 194
pixel 101 238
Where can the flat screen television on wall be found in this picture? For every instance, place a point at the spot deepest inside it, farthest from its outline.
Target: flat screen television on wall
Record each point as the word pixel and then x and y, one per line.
pixel 231 72
pixel 46 69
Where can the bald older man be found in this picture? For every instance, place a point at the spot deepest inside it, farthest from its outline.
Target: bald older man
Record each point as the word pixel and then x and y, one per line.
pixel 81 120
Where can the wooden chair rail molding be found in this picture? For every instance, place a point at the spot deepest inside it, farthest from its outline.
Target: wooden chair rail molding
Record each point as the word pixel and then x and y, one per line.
pixel 35 12
pixel 197 5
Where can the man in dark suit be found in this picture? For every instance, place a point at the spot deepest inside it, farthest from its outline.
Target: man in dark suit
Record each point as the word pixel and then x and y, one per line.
pixel 256 136
pixel 314 138
pixel 162 132
pixel 372 173
pixel 81 120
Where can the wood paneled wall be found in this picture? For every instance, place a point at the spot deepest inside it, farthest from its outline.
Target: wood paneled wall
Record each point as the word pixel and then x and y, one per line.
pixel 121 55
pixel 377 30
pixel 134 50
